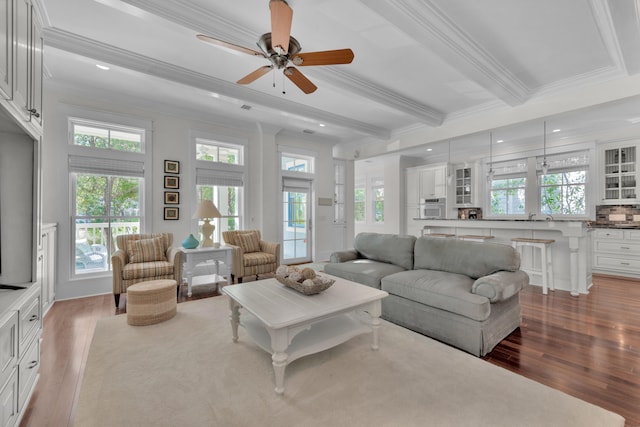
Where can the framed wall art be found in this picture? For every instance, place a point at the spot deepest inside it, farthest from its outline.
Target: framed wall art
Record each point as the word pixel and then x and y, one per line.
pixel 171 214
pixel 171 166
pixel 171 198
pixel 172 182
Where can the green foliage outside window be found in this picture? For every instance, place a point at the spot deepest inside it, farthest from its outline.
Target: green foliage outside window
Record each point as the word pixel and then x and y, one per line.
pixel 359 204
pixel 95 137
pixel 378 204
pixel 563 193
pixel 508 196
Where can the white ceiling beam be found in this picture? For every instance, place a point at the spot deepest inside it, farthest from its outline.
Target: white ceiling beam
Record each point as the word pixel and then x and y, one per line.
pixel 428 25
pixel 89 48
pixel 619 22
pixel 189 15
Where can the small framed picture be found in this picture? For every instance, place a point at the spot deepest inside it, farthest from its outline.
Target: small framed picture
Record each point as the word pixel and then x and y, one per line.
pixel 172 182
pixel 171 198
pixel 171 214
pixel 171 166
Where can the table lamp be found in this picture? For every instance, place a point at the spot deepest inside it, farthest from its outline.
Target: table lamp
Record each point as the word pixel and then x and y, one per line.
pixel 206 210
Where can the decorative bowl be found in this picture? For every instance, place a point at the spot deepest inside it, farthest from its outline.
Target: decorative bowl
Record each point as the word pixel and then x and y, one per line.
pixel 305 282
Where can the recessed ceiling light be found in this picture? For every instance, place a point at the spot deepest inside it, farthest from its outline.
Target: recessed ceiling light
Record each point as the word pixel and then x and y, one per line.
pixel 499 141
pixel 429 149
pixel 322 125
pixel 102 67
pixel 215 95
pixel 556 130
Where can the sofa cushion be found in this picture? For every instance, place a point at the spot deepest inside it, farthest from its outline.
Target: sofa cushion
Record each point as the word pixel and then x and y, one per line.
pixel 146 250
pixel 389 248
pixel 363 271
pixel 439 289
pixel 249 242
pixel 473 259
pixel 144 270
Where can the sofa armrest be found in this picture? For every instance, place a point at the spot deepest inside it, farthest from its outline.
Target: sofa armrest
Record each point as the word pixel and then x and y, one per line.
pixel 500 286
pixel 271 248
pixel 118 260
pixel 344 256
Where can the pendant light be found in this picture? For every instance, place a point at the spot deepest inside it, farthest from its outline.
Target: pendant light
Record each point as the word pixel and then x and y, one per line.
pixel 490 173
pixel 449 176
pixel 545 165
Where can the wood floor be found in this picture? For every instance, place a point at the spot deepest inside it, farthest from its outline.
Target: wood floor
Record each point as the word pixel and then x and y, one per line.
pixel 586 346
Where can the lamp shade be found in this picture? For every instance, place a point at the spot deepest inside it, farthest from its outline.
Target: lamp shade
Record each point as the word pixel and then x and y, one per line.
pixel 206 209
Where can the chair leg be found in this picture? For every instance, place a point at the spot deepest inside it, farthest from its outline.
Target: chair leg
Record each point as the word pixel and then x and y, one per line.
pixel 239 279
pixel 117 299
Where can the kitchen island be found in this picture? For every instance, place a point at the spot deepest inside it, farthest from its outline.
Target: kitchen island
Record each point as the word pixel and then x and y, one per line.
pixel 572 261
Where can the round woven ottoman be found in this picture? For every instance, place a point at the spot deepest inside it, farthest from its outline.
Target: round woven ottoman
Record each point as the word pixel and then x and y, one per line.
pixel 151 302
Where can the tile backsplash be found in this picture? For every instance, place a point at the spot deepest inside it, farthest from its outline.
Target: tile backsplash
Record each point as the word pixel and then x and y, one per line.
pixel 617 214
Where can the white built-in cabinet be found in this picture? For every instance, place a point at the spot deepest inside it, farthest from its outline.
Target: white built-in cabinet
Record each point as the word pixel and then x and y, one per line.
pixel 21 63
pixel 433 182
pixel 619 166
pixel 422 182
pixel 47 265
pixel 616 251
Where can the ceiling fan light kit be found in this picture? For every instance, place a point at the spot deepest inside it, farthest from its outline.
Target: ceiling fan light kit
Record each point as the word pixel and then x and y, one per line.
pixel 280 48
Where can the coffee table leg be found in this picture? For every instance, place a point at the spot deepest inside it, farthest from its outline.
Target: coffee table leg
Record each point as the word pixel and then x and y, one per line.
pixel 375 311
pixel 234 318
pixel 279 357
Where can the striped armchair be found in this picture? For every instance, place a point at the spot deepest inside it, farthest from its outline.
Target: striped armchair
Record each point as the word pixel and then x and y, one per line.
pixel 144 257
pixel 251 255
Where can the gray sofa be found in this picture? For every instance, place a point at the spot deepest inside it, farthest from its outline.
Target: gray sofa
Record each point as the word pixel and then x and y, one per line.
pixel 459 292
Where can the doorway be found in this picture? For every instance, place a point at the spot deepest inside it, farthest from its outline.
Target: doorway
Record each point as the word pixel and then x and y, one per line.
pixel 296 221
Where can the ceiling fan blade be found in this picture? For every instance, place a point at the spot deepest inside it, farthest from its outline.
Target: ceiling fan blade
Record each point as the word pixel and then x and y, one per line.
pixel 281 17
pixel 251 77
pixel 300 80
pixel 228 45
pixel 326 57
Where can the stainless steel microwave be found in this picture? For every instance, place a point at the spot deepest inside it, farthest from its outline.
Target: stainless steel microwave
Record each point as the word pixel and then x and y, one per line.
pixel 433 208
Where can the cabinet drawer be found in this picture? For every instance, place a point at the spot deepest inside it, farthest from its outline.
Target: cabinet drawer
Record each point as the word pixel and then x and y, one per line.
pixel 28 321
pixel 617 263
pixel 618 247
pixel 8 344
pixel 9 400
pixel 632 234
pixel 605 233
pixel 28 372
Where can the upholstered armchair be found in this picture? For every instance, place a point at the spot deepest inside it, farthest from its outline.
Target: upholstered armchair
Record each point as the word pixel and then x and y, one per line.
pixel 144 257
pixel 251 254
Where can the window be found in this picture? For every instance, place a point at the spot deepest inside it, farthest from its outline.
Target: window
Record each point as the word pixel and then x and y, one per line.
pixel 359 201
pixel 219 170
pixel 507 189
pixel 296 162
pixel 563 189
pixel 377 195
pixel 106 170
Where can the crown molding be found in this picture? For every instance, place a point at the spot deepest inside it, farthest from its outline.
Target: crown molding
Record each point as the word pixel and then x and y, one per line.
pixel 189 15
pixel 429 26
pixel 78 45
pixel 619 24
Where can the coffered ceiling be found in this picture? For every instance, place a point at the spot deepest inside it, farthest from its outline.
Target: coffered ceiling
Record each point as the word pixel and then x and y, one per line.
pixel 432 66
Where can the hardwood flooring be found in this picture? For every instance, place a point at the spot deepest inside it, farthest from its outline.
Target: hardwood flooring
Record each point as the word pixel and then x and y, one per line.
pixel 586 346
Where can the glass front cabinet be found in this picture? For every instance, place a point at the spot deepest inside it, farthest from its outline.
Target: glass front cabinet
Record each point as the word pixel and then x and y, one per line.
pixel 463 186
pixel 620 173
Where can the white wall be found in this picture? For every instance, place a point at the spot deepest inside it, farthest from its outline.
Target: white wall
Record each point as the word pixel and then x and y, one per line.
pixel 170 140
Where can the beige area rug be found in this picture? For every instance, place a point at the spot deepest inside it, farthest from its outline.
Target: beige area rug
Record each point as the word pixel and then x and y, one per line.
pixel 187 372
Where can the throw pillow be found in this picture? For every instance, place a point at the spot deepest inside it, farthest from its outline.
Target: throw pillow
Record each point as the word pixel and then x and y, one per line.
pixel 249 242
pixel 146 250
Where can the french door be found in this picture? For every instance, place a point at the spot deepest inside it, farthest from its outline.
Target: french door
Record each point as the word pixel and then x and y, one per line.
pixel 296 221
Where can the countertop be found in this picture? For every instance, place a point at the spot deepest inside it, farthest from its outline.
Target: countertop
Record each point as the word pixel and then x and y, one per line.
pixel 588 223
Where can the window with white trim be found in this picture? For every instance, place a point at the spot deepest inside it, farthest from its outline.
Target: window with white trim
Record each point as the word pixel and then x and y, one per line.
pixel 563 189
pixel 377 199
pixel 359 203
pixel 508 187
pixel 295 162
pixel 220 177
pixel 107 174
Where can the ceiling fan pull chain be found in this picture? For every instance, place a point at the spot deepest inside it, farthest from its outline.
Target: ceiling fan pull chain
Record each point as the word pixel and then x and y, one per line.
pixel 284 92
pixel 274 77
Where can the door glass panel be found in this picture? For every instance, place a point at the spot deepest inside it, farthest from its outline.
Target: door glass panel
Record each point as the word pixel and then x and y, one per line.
pixel 295 225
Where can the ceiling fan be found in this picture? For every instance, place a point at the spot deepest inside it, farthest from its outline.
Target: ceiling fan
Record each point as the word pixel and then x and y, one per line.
pixel 281 48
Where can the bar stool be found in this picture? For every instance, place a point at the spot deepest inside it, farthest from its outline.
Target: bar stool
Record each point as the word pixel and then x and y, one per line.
pixel 475 238
pixel 546 259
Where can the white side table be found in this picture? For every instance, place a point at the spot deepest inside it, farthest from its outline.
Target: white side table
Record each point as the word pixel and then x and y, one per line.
pixel 221 256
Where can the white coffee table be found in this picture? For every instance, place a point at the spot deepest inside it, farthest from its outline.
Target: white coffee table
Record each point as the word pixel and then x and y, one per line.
pixel 290 325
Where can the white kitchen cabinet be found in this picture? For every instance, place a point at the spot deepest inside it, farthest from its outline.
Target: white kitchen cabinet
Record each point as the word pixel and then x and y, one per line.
pixel 464 190
pixel 47 265
pixel 433 182
pixel 6 48
pixel 619 173
pixel 616 251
